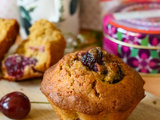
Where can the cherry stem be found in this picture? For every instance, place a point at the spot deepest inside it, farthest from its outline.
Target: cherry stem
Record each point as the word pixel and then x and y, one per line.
pixel 35 102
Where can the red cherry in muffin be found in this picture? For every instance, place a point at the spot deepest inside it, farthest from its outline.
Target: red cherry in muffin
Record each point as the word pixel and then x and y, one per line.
pixel 16 64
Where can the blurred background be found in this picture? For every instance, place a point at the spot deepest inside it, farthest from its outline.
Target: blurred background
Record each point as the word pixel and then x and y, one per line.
pixel 72 17
pixel 127 28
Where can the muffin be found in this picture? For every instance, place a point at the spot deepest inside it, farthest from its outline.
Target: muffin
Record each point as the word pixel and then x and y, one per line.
pixel 18 67
pixel 45 45
pixel 47 53
pixel 92 85
pixel 9 30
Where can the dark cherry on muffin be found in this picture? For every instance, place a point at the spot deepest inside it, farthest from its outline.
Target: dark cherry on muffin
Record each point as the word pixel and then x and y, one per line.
pixel 92 85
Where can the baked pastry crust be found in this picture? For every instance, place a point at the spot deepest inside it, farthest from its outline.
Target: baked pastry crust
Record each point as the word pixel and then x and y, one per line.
pixel 8 33
pixel 45 43
pixel 44 38
pixel 74 86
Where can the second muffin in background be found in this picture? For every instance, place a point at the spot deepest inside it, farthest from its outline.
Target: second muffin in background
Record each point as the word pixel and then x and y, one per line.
pixel 44 47
pixel 9 30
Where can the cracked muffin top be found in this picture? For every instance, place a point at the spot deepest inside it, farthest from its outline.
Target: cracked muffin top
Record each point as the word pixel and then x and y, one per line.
pixel 91 82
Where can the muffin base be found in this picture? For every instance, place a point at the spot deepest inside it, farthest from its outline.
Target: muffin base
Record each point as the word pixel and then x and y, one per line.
pixel 104 115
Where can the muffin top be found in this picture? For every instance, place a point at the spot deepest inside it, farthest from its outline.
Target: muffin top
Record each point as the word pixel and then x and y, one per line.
pixel 43 30
pixel 91 82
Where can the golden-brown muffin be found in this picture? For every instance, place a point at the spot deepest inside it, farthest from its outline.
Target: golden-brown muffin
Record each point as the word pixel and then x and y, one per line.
pixel 9 30
pixel 44 38
pixel 92 85
pixel 45 45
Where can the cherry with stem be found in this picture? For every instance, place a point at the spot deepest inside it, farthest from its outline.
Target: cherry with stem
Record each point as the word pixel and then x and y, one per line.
pixel 15 105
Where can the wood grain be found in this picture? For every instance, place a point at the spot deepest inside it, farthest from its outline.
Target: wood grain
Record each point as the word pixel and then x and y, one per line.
pixel 148 109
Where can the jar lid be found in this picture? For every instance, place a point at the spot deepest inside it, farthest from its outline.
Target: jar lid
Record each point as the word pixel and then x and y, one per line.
pixel 148 20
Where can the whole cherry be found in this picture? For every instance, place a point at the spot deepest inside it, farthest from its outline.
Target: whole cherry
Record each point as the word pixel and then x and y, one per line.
pixel 15 105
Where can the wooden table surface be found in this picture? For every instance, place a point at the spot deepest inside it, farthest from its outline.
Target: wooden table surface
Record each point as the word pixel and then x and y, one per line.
pixel 148 108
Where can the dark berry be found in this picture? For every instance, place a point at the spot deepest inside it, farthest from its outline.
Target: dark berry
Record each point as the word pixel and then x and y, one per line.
pixel 16 64
pixel 15 105
pixel 119 75
pixel 77 119
pixel 91 58
pixel 88 60
pixel 95 68
pixel 105 72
